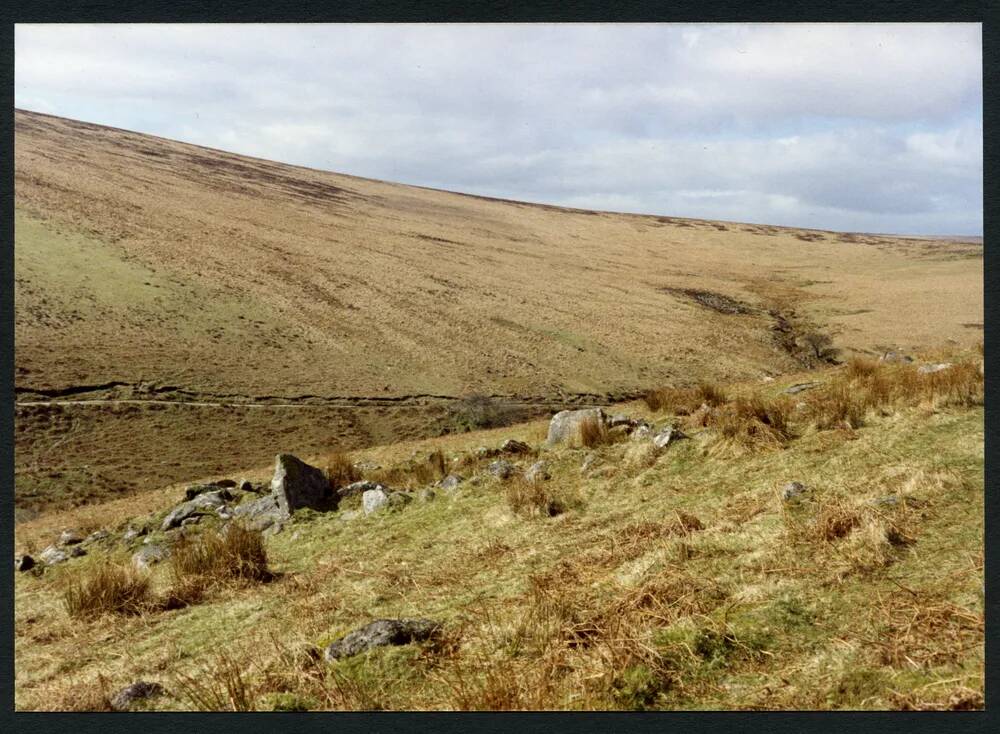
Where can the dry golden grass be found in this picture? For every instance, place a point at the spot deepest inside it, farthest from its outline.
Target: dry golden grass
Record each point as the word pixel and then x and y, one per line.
pixel 684 401
pixel 532 499
pixel 108 588
pixel 340 470
pixel 235 555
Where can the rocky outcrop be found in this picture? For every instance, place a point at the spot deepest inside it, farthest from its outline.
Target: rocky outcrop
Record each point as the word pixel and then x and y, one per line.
pixel 201 504
pixel 296 484
pixel 380 633
pixel 564 427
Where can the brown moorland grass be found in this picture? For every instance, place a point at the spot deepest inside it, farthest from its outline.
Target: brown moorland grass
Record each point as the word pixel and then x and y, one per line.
pixel 108 588
pixel 313 285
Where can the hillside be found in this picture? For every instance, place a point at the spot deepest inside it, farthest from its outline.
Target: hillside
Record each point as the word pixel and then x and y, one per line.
pixel 816 551
pixel 148 269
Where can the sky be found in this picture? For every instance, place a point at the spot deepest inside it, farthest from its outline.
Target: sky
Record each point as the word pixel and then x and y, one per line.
pixel 850 127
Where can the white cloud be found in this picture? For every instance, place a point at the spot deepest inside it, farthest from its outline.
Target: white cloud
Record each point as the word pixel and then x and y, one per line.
pixel 820 125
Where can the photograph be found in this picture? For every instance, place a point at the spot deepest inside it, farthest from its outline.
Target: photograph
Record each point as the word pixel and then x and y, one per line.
pixel 569 366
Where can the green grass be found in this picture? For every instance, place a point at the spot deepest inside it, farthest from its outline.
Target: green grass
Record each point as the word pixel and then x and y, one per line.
pixel 595 608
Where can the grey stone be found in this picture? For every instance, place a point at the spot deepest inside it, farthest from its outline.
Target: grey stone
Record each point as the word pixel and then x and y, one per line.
pixel 53 554
pixel 512 446
pixel 801 387
pixel 450 482
pixel 96 536
pixel 667 436
pixel 565 425
pixel 208 501
pixel 538 472
pixel 69 537
pixel 137 691
pixel 374 500
pixel 642 433
pixel 399 499
pixel 793 491
pixel 356 488
pixel 296 484
pixel 193 520
pixel 273 528
pixel 131 533
pixel 486 453
pixel 501 468
pixel 930 369
pixel 149 555
pixel 426 495
pixel 261 513
pixel 196 489
pixel 380 633
pixel 24 563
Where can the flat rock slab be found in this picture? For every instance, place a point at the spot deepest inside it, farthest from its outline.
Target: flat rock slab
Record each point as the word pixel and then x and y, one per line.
pixel 381 633
pixel 209 501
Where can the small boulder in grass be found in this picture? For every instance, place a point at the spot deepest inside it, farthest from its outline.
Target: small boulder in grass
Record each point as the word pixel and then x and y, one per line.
pixel 381 633
pixel 667 436
pixel 512 446
pixel 69 537
pixel 794 491
pixel 538 472
pixel 501 469
pixel 450 483
pixel 138 691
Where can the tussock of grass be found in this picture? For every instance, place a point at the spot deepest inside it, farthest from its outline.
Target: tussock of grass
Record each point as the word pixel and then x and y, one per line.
pixel 532 499
pixel 340 471
pixel 417 472
pixel 234 556
pixel 107 588
pixel 592 432
pixel 683 401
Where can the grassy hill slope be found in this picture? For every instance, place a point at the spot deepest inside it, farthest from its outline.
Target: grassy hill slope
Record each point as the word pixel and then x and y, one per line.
pixel 673 579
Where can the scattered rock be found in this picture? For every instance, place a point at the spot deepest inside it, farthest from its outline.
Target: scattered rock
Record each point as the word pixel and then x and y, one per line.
pixel 196 489
pixel 69 537
pixel 356 488
pixel 193 520
pixel 138 691
pixel 667 436
pixel 565 425
pixel 642 433
pixel 484 452
pixel 53 554
pixel 149 555
pixel 512 446
pixel 380 633
pixel 131 533
pixel 501 468
pixel 426 495
pixel 296 484
pixel 96 536
pixel 208 501
pixel 801 387
pixel 450 483
pixel 364 466
pixel 374 500
pixel 24 563
pixel 538 472
pixel 929 369
pixel 261 513
pixel 793 491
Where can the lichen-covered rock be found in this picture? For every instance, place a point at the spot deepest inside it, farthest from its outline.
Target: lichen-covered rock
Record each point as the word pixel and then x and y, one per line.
pixel 502 469
pixel 538 472
pixel 564 428
pixel 54 555
pixel 380 633
pixel 261 513
pixel 296 484
pixel 793 491
pixel 69 537
pixel 137 691
pixel 206 502
pixel 149 555
pixel 667 436
pixel 96 536
pixel 376 499
pixel 450 483
pixel 641 433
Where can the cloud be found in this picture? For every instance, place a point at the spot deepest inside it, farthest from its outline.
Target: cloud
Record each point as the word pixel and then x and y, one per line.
pixel 831 126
